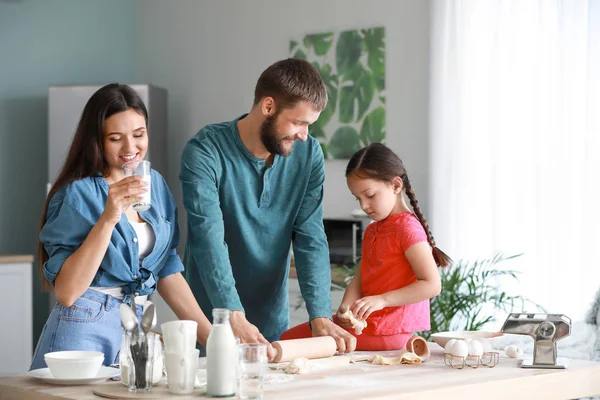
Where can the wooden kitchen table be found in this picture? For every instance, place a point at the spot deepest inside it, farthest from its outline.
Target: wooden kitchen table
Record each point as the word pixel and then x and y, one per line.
pixel 430 380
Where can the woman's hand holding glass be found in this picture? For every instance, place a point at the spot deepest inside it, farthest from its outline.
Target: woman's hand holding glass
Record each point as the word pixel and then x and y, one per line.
pixel 121 195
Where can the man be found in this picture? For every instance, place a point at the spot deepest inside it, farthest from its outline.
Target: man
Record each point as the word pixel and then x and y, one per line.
pixel 251 187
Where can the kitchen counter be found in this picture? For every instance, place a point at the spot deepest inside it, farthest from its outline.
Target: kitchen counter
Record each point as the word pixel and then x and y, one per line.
pixel 430 380
pixel 15 258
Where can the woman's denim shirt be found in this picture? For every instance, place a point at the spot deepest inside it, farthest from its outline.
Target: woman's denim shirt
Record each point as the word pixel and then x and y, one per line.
pixel 75 209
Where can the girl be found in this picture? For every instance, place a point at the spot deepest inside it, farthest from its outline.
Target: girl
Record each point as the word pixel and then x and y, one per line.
pixel 94 248
pixel 398 272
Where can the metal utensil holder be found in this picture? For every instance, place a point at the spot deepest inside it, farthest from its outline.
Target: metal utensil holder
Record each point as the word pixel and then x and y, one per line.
pixel 140 362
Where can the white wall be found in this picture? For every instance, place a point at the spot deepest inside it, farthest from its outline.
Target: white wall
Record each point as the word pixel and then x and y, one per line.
pixel 210 54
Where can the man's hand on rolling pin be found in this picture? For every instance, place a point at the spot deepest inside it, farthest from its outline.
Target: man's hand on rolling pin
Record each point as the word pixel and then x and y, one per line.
pixel 346 343
pixel 248 333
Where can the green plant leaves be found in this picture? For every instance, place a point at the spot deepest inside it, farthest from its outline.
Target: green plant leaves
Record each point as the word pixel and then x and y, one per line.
pixel 468 287
pixel 320 42
pixel 373 127
pixel 344 143
pixel 356 93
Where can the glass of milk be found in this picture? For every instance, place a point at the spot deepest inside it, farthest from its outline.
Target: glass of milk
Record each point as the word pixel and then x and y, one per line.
pixel 140 168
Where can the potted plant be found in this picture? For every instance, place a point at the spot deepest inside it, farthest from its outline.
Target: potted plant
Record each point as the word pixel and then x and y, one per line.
pixel 471 295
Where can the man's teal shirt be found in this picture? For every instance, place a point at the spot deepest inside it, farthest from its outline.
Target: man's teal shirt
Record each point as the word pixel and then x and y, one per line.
pixel 242 216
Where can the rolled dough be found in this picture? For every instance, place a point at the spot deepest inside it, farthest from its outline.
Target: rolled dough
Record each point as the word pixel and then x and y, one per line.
pixel 405 357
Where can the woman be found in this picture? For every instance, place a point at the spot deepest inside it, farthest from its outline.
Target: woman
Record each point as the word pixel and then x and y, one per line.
pixel 94 248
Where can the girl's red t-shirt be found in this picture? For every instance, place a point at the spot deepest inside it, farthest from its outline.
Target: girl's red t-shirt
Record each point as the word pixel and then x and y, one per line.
pixel 384 267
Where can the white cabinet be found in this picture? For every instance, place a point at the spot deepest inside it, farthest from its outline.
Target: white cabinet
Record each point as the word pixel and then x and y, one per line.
pixel 16 314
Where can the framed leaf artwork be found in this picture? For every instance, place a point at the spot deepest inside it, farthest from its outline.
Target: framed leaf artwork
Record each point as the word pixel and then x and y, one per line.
pixel 352 65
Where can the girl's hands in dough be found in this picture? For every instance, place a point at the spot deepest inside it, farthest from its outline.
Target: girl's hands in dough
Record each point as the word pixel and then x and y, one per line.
pixel 362 308
pixel 341 319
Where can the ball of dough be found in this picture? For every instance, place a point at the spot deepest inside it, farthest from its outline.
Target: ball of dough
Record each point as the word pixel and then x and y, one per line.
pixel 298 365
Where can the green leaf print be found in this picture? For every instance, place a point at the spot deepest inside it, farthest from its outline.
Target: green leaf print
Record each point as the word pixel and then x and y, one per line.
pixel 344 143
pixel 373 127
pixel 324 148
pixel 331 83
pixel 374 45
pixel 300 54
pixel 293 45
pixel 358 89
pixel 320 42
pixel 348 50
pixel 316 130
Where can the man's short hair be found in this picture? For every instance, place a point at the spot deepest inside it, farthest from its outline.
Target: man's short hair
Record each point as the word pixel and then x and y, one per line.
pixel 290 81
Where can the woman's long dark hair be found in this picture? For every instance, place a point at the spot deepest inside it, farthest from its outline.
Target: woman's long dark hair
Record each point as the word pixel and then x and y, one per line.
pixel 376 161
pixel 86 153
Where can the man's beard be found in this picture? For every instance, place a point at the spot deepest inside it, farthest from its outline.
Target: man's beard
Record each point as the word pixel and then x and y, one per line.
pixel 269 137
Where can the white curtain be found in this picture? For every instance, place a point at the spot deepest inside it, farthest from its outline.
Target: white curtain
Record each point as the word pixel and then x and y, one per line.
pixel 515 148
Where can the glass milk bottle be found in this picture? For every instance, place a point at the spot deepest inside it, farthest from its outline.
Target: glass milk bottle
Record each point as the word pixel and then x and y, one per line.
pixel 221 357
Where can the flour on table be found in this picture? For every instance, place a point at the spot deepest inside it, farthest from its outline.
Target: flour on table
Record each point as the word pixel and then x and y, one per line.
pixel 357 325
pixel 275 378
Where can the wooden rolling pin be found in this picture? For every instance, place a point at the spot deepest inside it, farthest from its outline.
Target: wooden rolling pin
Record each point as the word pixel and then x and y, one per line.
pixel 316 347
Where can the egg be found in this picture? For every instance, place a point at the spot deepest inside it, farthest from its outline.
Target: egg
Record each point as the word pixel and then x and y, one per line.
pixel 485 344
pixel 448 347
pixel 475 348
pixel 460 349
pixel 513 351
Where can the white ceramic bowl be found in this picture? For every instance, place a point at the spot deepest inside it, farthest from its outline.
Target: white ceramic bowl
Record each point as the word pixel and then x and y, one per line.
pixel 442 338
pixel 74 364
